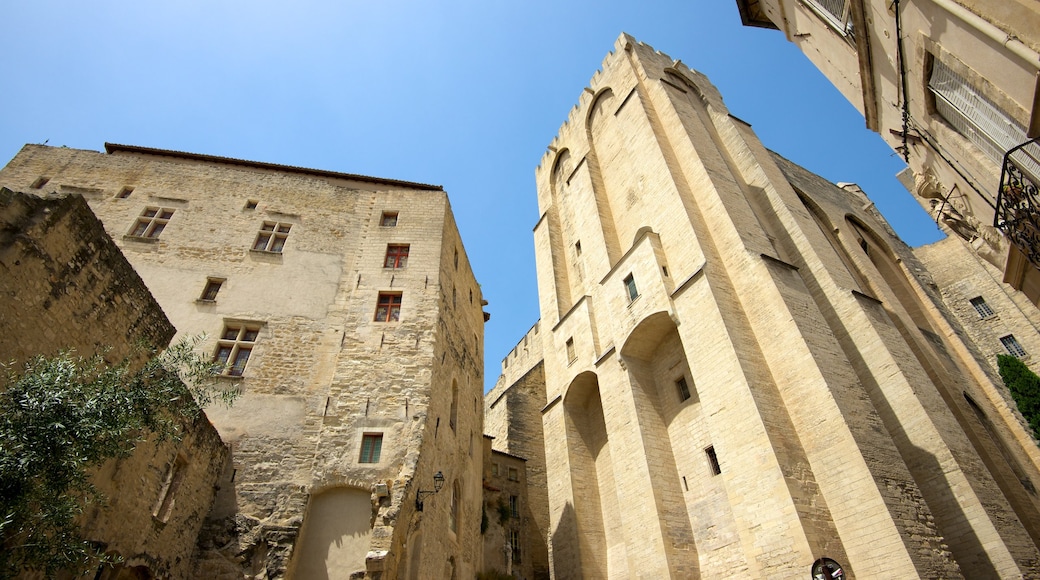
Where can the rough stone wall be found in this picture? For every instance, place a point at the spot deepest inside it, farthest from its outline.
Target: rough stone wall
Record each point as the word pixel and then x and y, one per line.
pixel 322 372
pixel 62 272
pixel 67 286
pixel 505 486
pixel 697 291
pixel 512 415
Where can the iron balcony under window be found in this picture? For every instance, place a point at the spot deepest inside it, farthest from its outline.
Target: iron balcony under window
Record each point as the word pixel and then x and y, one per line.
pixel 1018 199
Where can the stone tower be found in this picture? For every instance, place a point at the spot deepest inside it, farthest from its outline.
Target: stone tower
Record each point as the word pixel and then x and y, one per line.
pixel 746 372
pixel 344 309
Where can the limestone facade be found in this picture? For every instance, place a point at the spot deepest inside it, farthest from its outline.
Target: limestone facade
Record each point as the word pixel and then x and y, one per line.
pixel 964 73
pixel 345 311
pixel 745 370
pixel 66 286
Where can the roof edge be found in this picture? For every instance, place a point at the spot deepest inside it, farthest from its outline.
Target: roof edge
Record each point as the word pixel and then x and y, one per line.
pixel 118 148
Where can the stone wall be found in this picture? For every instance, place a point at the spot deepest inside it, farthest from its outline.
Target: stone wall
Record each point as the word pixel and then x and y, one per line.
pixel 745 369
pixel 323 375
pixel 67 286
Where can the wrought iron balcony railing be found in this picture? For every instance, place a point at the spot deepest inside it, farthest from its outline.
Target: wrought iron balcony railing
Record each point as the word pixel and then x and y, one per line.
pixel 1018 199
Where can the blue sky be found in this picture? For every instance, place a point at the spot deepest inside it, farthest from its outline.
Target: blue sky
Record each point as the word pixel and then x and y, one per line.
pixel 462 94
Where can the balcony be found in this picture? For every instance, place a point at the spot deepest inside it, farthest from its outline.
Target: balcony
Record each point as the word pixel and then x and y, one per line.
pixel 1018 202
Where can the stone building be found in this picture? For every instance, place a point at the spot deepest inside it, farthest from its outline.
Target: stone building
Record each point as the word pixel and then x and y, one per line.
pixel 952 86
pixel 66 286
pixel 345 311
pixel 508 528
pixel 746 373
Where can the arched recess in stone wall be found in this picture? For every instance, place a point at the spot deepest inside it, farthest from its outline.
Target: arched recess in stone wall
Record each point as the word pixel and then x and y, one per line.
pixel 655 359
pixel 828 229
pixel 957 523
pixel 414 548
pixel 601 542
pixel 558 245
pixel 602 109
pixel 335 535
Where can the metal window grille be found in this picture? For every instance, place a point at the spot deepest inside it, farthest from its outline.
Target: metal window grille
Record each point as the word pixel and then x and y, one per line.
pixel 1012 345
pixel 836 13
pixel 981 307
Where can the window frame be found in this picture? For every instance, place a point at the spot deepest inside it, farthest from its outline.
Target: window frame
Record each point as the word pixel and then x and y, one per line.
pixel 371 448
pixel 514 545
pixel 683 388
pixel 272 237
pixel 713 460
pixel 572 354
pixel 396 256
pixel 148 226
pixel 1011 345
pixel 214 284
pixel 392 312
pixel 982 308
pixel 246 336
pixel 388 219
pixel 631 290
pixel 514 506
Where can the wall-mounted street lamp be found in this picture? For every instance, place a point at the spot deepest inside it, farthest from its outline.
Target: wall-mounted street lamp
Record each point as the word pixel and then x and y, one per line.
pixel 438 483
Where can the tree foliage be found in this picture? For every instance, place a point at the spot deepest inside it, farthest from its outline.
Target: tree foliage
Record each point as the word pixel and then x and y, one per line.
pixel 60 419
pixel 1024 385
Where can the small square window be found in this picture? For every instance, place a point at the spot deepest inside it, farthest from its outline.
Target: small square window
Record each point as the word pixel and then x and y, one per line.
pixel 271 237
pixel 1012 345
pixel 152 222
pixel 396 256
pixel 252 203
pixel 209 293
pixel 514 475
pixel 233 349
pixel 389 219
pixel 371 445
pixel 630 287
pixel 981 307
pixel 713 460
pixel 571 353
pixel 388 307
pixel 124 192
pixel 683 388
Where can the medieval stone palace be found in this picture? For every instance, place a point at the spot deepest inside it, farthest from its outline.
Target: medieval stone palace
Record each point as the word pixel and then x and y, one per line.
pixel 739 370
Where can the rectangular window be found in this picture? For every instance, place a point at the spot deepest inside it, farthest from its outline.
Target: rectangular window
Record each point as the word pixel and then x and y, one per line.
pixel 514 506
pixel 396 256
pixel 630 287
pixel 577 248
pixel 251 204
pixel 981 307
pixel 1012 345
pixel 571 354
pixel 978 119
pixel 514 475
pixel 124 193
pixel 389 219
pixel 494 469
pixel 39 182
pixel 271 237
pixel 514 544
pixel 371 445
pixel 209 293
pixel 683 388
pixel 836 13
pixel 388 307
pixel 233 349
pixel 713 460
pixel 151 223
